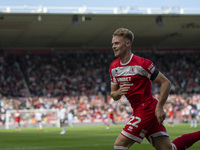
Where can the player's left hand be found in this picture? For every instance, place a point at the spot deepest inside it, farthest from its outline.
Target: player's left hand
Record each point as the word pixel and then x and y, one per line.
pixel 160 114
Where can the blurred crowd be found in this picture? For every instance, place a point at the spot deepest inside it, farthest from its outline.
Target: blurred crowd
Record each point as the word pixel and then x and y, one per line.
pixel 81 80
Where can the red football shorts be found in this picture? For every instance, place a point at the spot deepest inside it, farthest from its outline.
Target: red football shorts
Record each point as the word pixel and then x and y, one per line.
pixel 144 123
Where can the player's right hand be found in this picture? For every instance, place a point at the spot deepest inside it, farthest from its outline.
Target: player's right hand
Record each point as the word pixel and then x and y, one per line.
pixel 160 114
pixel 123 89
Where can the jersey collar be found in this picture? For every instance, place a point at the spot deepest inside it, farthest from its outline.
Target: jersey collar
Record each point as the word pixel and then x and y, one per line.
pixel 128 61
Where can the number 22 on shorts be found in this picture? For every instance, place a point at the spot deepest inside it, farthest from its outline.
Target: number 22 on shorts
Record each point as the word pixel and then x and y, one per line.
pixel 134 121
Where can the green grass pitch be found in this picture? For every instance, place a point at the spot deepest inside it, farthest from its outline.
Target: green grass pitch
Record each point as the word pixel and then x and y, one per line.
pixel 78 138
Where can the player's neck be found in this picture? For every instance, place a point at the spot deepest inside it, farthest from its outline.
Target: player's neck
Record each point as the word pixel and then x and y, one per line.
pixel 126 57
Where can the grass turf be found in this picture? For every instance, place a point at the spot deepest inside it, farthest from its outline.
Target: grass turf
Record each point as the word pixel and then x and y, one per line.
pixel 78 138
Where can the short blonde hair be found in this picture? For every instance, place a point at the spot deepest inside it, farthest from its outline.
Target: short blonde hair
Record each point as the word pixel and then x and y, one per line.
pixel 125 33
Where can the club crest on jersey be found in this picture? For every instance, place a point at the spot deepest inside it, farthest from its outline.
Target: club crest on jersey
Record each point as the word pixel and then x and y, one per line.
pixel 132 71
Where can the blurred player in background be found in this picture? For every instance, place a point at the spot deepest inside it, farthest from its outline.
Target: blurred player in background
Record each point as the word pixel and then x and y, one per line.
pixel 171 115
pixel 110 118
pixel 39 119
pixel 193 114
pixel 131 76
pixel 70 118
pixel 3 115
pixel 17 120
pixel 63 116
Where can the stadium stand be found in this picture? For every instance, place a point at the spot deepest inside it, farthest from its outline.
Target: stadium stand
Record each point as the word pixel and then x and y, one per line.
pixel 32 81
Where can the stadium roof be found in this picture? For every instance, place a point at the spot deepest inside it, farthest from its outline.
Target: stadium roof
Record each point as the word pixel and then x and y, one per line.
pixel 46 30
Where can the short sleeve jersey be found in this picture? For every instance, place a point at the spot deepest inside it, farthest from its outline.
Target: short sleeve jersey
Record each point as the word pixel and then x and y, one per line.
pixel 62 113
pixel 137 74
pixel 17 116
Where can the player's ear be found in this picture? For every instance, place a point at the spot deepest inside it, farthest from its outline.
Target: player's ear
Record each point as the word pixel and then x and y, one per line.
pixel 128 43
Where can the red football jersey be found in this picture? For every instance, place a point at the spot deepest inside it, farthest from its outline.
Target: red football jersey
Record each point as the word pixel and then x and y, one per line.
pixel 111 115
pixel 137 73
pixel 171 112
pixel 17 117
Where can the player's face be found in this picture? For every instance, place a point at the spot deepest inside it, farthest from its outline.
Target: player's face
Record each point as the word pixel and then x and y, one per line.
pixel 119 46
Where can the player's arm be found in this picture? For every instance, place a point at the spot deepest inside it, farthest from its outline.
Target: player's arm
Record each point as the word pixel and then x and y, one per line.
pixel 117 91
pixel 164 92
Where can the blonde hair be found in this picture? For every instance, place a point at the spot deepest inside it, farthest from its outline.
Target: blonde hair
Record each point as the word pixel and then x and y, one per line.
pixel 125 33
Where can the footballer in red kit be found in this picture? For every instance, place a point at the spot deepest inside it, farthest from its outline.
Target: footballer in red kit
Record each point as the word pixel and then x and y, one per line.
pixel 17 120
pixel 131 76
pixel 136 73
pixel 171 114
pixel 110 118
